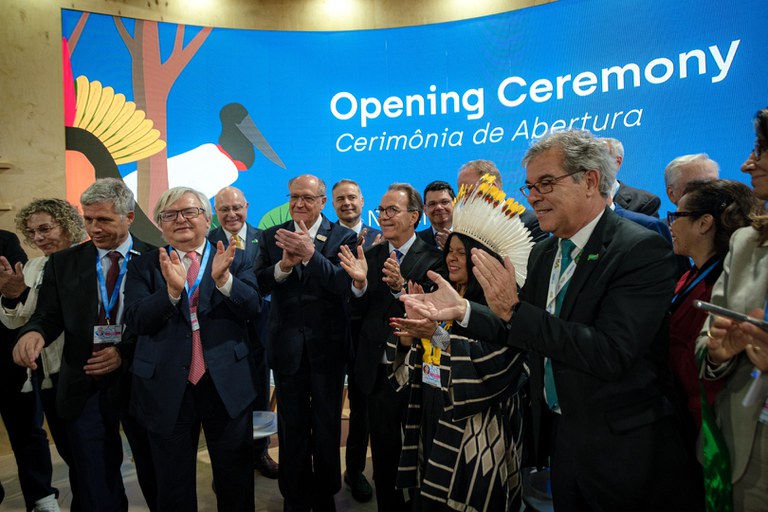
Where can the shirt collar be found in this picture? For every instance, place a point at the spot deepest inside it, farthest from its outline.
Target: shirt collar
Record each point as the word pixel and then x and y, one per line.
pixel 405 247
pixel 242 233
pixel 122 248
pixel 356 228
pixel 313 229
pixel 581 237
pixel 199 250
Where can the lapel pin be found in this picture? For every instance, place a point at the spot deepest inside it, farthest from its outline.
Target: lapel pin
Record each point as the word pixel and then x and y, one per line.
pixel 591 257
pixel 321 238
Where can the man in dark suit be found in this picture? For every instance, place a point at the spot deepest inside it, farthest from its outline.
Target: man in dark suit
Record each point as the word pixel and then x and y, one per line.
pixel 232 211
pixel 630 198
pixel 189 304
pixel 348 202
pixel 308 343
pixel 472 171
pixel 438 206
pixel 592 315
pixel 21 412
pixel 76 298
pixel 379 277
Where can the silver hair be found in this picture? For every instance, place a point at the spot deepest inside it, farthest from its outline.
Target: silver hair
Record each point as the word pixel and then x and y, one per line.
pixel 673 170
pixel 110 190
pixel 482 167
pixel 615 147
pixel 581 152
pixel 320 183
pixel 172 195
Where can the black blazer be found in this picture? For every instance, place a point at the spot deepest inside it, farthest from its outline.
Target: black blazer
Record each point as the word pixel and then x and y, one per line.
pixel 68 302
pixel 637 200
pixel 310 309
pixel 378 304
pixel 429 237
pixel 609 344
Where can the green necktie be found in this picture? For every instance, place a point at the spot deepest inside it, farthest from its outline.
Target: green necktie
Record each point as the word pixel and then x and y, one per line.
pixel 566 257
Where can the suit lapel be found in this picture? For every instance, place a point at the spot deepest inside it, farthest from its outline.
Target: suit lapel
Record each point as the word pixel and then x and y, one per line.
pixel 86 275
pixel 412 257
pixel 588 261
pixel 322 234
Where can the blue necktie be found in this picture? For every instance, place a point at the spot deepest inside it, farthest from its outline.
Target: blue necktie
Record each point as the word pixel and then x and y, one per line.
pixel 399 256
pixel 566 252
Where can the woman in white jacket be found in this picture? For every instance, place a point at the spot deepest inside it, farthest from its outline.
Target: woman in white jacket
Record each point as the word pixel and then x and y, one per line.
pixel 49 225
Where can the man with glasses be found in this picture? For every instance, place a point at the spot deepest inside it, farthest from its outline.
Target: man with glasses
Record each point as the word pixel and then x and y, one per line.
pixel 593 317
pixel 307 342
pixel 190 303
pixel 379 277
pixel 438 204
pixel 232 211
pixel 76 298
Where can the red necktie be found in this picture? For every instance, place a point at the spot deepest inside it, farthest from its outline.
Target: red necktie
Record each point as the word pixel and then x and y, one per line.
pixel 197 366
pixel 112 273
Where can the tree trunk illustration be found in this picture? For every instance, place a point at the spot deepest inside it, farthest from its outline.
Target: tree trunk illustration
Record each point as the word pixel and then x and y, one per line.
pixel 152 82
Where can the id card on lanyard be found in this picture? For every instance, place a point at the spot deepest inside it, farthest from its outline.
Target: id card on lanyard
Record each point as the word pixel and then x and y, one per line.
pixel 192 289
pixel 112 333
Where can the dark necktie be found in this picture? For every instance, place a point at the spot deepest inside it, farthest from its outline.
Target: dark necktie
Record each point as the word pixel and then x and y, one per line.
pixel 566 257
pixel 399 256
pixel 112 273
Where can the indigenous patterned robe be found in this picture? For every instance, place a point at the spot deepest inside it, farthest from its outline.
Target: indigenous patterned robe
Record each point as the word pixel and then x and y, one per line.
pixel 474 463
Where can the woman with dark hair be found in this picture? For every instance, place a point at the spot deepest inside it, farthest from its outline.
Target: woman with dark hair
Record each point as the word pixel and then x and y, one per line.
pixel 49 225
pixel 737 352
pixel 463 440
pixel 707 215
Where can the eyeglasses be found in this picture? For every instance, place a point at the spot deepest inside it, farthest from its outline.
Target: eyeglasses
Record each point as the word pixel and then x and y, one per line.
pixel 307 199
pixel 546 185
pixel 186 213
pixel 673 216
pixel 389 211
pixel 443 202
pixel 234 208
pixel 43 229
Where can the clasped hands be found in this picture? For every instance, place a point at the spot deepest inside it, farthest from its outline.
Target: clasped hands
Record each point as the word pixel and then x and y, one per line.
pixel 175 274
pixel 728 338
pixel 297 246
pixel 497 281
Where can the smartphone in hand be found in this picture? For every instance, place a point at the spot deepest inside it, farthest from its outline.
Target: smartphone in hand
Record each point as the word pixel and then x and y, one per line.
pixel 729 313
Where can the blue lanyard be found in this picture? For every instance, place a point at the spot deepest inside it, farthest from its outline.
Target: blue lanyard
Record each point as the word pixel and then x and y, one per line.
pixel 203 265
pixel 108 305
pixel 695 282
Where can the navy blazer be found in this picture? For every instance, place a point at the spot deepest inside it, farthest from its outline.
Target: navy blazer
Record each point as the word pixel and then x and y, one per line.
pixel 251 242
pixel 310 309
pixel 68 302
pixel 652 223
pixel 164 346
pixel 429 237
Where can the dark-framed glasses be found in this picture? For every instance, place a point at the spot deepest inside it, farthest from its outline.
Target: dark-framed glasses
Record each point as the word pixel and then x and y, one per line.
pixel 389 211
pixel 546 185
pixel 295 198
pixel 186 213
pixel 445 203
pixel 673 216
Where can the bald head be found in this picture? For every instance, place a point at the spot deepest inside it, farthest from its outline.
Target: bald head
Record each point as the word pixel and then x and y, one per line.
pixel 231 208
pixel 684 169
pixel 471 172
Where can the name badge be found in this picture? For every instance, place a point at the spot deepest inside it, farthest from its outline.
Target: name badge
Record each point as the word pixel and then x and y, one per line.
pixel 194 321
pixel 431 374
pixel 106 335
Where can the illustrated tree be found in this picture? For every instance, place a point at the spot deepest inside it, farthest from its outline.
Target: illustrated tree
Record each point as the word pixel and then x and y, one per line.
pixel 152 82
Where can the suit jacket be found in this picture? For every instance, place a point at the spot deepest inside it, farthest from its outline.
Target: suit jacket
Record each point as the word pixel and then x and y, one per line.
pixel 310 308
pixel 378 304
pixel 68 303
pixel 637 200
pixel 652 223
pixel 742 287
pixel 609 345
pixel 12 376
pixel 428 236
pixel 164 346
